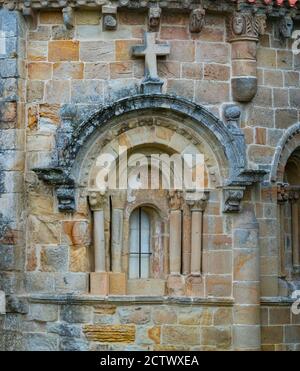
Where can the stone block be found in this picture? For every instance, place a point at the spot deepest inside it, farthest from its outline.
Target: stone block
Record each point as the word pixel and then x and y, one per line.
pixel 60 32
pixel 192 71
pixel 54 258
pixel 87 17
pixel 292 334
pixel 67 70
pixel 194 286
pixel 39 71
pixel 96 71
pixel 246 265
pixel 39 282
pixel 247 337
pixel 72 282
pixel 2 302
pixel 246 315
pixel 97 51
pixel 146 287
pixel 57 92
pixel 110 333
pixel 120 70
pixel 216 72
pixel 219 53
pixel 37 51
pixel 99 283
pixel 164 315
pixel 272 335
pixel 137 315
pixel 223 316
pixel 295 98
pixel 88 91
pixel 70 344
pixel 51 17
pixel 195 316
pixel 180 335
pixel 176 285
pixel 59 51
pixel 64 329
pixel 217 336
pixel 220 286
pixel 279 316
pixel 117 283
pixel 40 342
pixel 76 313
pixel 211 92
pixel 43 312
pixel 284 118
pixel 180 51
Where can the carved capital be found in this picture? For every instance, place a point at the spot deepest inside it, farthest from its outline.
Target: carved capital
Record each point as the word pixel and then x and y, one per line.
pixel 232 199
pixel 97 200
pixel 197 201
pixel 197 20
pixel 154 18
pixel 175 199
pixel 294 196
pixel 246 26
pixel 282 193
pixel 118 199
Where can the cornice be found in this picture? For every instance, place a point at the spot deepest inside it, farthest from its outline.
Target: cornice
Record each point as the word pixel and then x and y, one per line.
pixel 273 8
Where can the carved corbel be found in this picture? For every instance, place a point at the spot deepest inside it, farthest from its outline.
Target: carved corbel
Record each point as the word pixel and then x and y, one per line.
pixel 66 198
pixel 244 29
pixel 29 14
pixel 69 17
pixel 154 17
pixel 232 115
pixel 282 193
pixel 110 21
pixel 285 28
pixel 197 20
pixel 232 199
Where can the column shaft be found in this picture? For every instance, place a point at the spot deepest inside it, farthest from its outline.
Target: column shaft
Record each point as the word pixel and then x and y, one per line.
pixel 99 241
pixel 175 242
pixel 196 255
pixel 295 234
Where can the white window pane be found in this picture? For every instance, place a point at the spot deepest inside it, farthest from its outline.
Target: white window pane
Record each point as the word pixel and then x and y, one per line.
pixel 145 266
pixel 134 266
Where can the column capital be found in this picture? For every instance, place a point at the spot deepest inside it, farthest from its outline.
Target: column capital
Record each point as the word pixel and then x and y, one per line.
pixel 97 200
pixel 197 201
pixel 119 199
pixel 282 193
pixel 175 199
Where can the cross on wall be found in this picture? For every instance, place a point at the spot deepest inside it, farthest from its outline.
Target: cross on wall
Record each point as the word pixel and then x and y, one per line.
pixel 150 51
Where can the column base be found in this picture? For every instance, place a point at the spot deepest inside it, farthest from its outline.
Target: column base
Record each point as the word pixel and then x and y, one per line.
pixel 176 285
pixel 195 286
pixel 117 283
pixel 99 283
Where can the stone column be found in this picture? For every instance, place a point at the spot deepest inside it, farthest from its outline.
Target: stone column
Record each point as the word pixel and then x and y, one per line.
pixel 186 240
pixel 282 199
pixel 244 31
pixel 198 207
pixel 175 284
pixel 246 281
pixel 117 278
pixel 294 199
pixel 175 198
pixel 99 278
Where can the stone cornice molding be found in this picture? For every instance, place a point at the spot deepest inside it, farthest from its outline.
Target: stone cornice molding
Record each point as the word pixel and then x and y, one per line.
pixel 226 6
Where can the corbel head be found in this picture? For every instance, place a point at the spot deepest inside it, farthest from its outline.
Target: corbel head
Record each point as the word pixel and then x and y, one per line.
pixel 154 18
pixel 285 27
pixel 197 20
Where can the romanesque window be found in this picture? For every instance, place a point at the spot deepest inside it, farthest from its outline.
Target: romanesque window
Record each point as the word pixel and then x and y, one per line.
pixel 139 244
pixel 289 199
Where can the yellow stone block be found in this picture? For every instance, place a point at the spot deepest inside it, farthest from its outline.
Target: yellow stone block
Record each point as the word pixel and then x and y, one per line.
pixel 110 333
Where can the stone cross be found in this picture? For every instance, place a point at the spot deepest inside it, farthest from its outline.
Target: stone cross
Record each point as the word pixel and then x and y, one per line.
pixel 150 51
pixel 2 43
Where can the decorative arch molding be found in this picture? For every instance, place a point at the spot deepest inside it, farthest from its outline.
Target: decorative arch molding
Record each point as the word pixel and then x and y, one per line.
pixel 71 143
pixel 287 145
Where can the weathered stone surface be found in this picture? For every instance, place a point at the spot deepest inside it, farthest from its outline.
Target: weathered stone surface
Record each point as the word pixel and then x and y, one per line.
pixel 136 315
pixel 180 335
pixel 54 258
pixel 216 336
pixel 2 302
pixel 76 314
pixel 110 334
pixel 40 342
pixel 72 345
pixel 43 312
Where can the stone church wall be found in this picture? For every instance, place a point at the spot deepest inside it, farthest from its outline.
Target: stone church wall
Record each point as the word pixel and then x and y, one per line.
pixel 45 253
